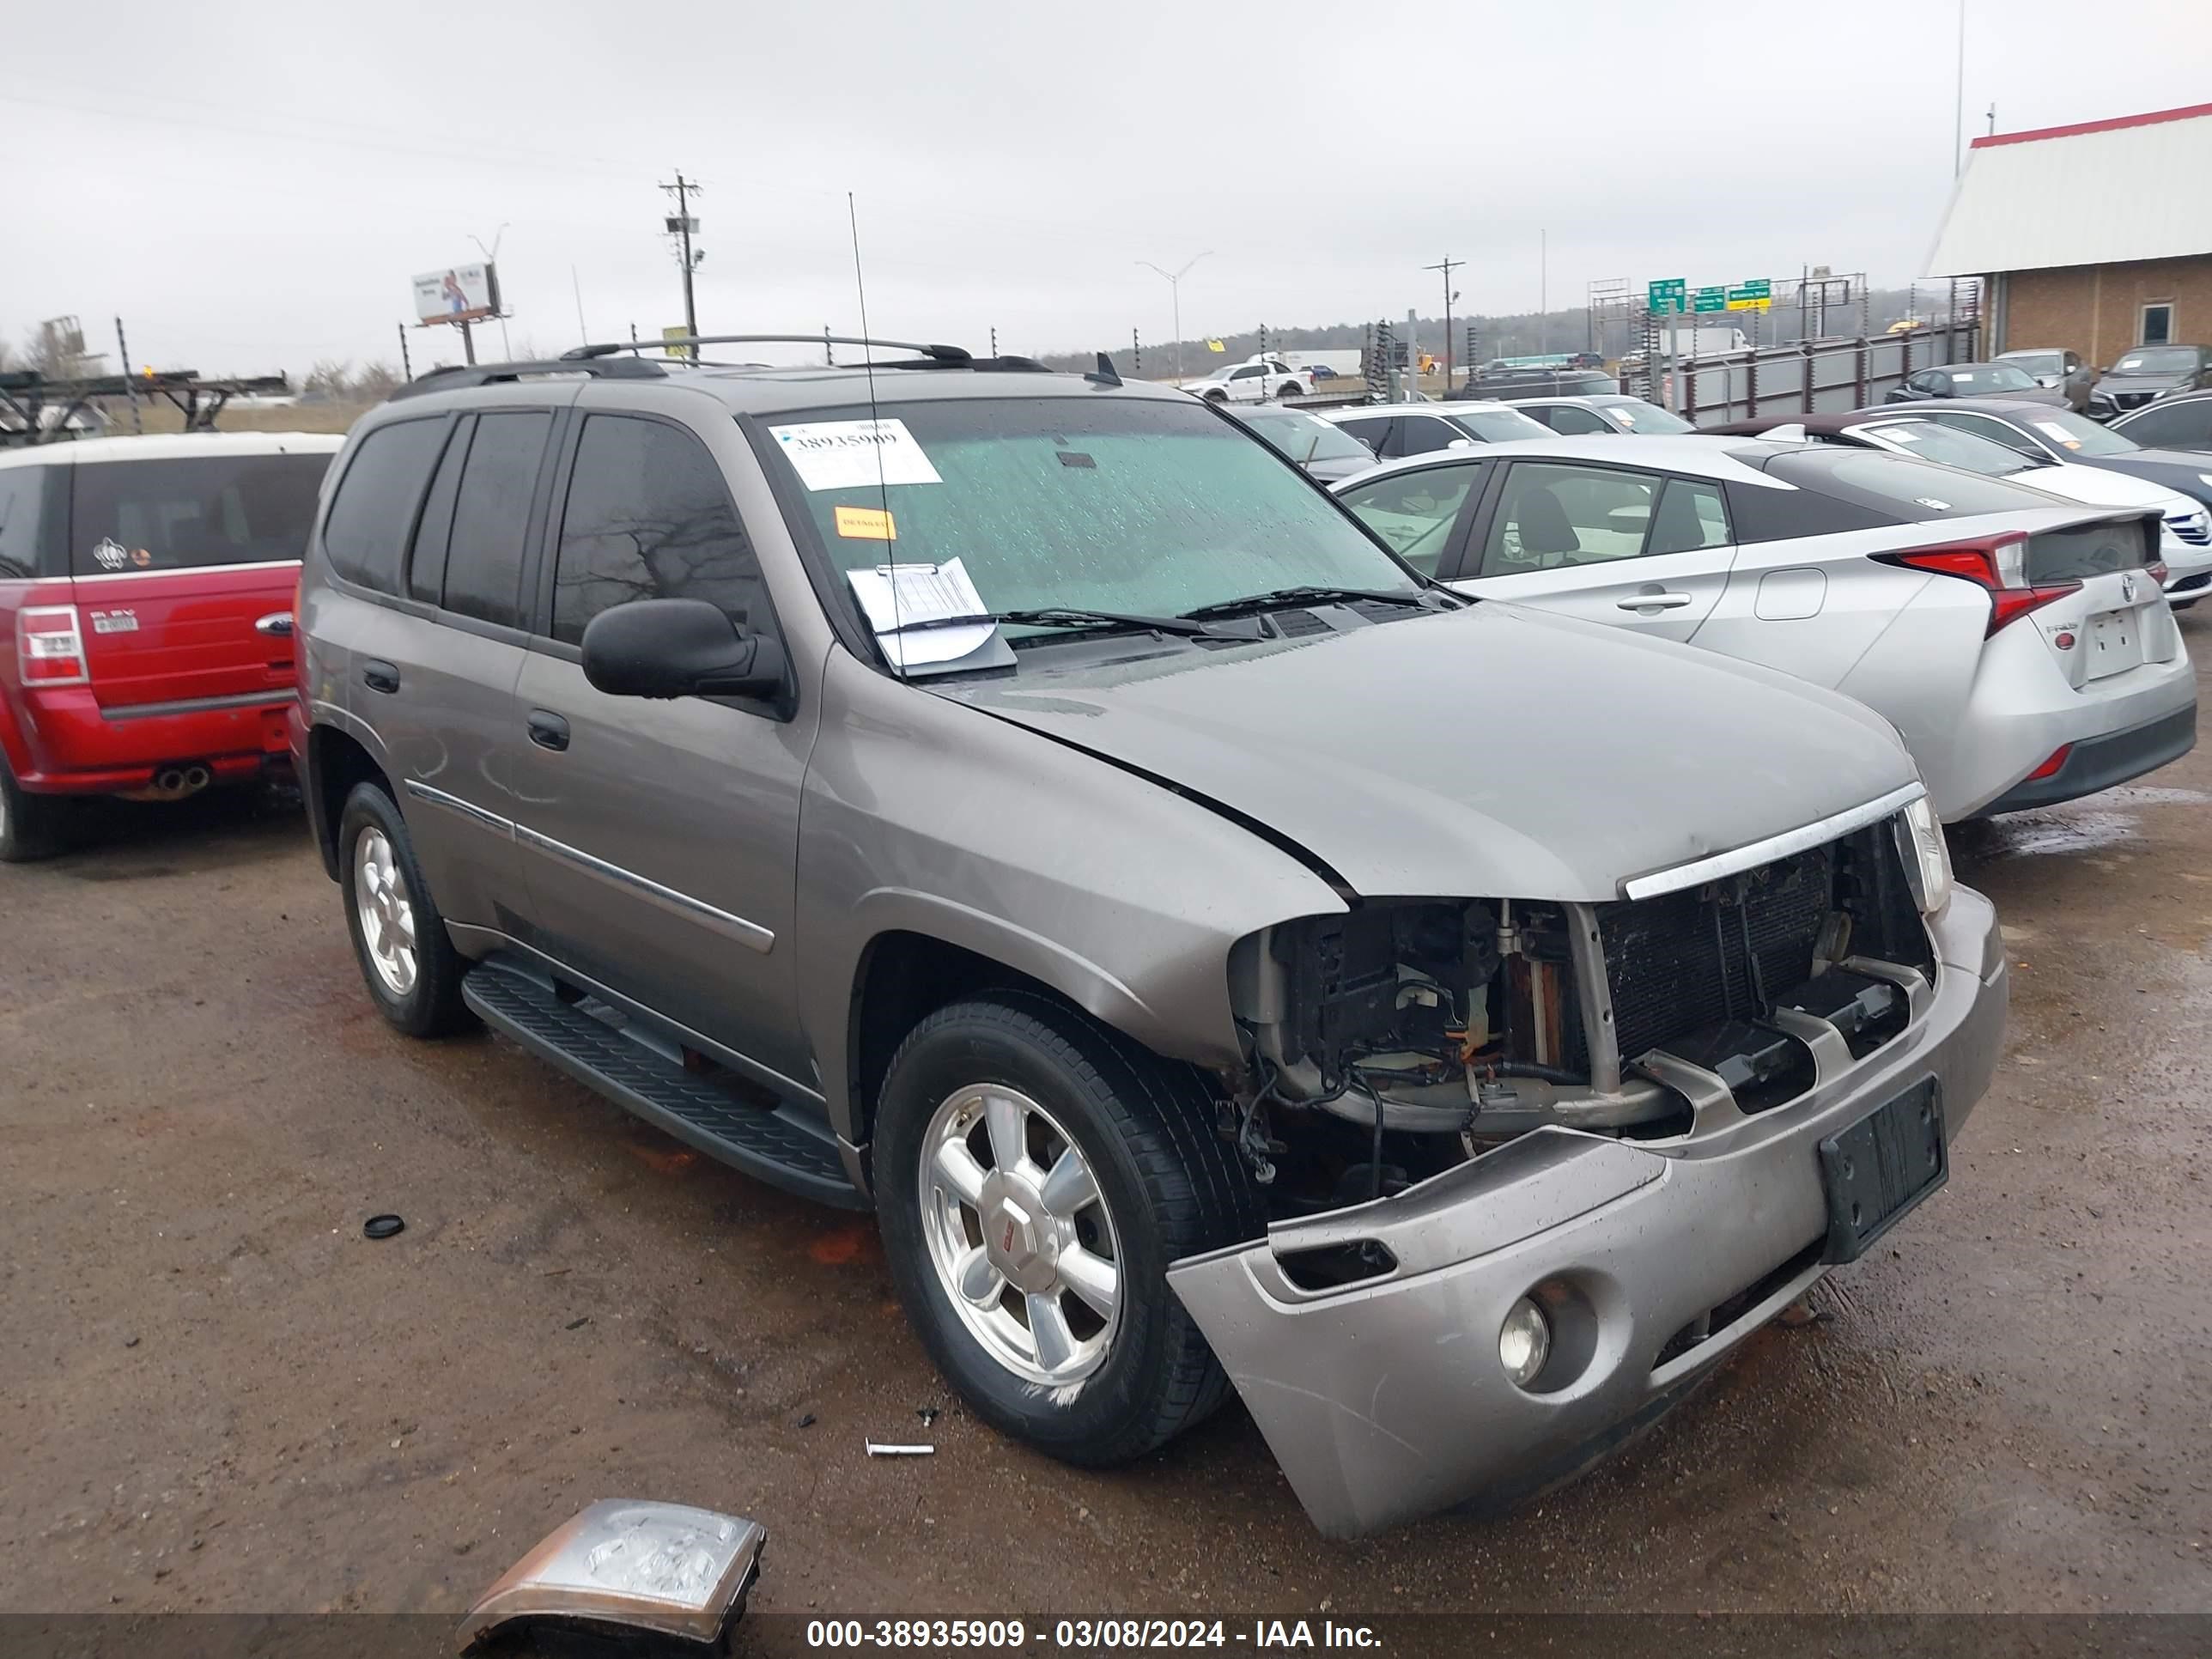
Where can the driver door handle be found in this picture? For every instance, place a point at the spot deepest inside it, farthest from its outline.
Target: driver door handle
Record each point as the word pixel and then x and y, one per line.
pixel 1655 602
pixel 547 730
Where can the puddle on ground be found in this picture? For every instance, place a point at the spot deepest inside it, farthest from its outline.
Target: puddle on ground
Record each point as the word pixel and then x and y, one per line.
pixel 2060 830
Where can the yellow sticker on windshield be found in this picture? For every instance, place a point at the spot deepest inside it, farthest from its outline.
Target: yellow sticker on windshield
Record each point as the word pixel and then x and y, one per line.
pixel 866 523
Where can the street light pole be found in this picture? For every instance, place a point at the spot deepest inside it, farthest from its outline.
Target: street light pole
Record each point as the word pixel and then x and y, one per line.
pixel 1175 299
pixel 491 258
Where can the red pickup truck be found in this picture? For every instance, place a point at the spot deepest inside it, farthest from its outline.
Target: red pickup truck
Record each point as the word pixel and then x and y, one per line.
pixel 146 590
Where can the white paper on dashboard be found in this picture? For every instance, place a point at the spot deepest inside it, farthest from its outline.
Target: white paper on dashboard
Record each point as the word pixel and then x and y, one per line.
pixel 855 454
pixel 922 613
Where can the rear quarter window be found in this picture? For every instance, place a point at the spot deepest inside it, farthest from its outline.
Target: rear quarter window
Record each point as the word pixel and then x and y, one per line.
pixel 373 513
pixel 192 512
pixel 22 496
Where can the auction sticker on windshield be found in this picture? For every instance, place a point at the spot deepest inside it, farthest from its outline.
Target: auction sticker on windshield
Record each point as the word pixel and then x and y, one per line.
pixel 855 454
pixel 2051 428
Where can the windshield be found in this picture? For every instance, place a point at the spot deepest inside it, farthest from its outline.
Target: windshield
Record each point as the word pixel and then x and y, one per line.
pixel 1991 377
pixel 1148 505
pixel 2035 362
pixel 1497 426
pixel 2170 360
pixel 1953 447
pixel 2077 433
pixel 1902 489
pixel 1305 438
pixel 1648 418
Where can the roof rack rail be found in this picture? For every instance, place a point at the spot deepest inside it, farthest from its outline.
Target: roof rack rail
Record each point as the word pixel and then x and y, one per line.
pixel 459 375
pixel 949 355
pixel 28 400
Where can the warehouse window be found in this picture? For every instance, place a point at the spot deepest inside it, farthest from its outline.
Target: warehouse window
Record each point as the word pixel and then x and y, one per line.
pixel 2157 323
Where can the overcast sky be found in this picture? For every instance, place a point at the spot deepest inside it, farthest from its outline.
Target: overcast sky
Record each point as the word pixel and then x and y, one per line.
pixel 250 186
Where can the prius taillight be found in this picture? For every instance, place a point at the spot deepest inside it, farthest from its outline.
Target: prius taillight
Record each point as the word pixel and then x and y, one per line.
pixel 1998 567
pixel 50 646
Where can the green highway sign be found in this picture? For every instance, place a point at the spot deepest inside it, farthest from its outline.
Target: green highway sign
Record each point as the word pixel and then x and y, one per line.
pixel 1710 299
pixel 1668 294
pixel 1756 295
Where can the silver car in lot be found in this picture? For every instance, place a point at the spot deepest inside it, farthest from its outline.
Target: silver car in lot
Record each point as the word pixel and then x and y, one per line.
pixel 1393 430
pixel 1026 806
pixel 2020 643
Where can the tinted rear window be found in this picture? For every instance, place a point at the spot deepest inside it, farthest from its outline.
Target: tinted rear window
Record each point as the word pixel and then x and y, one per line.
pixel 375 512
pixel 2090 549
pixel 186 514
pixel 1901 489
pixel 491 516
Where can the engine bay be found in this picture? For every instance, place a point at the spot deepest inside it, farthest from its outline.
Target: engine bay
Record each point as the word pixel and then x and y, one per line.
pixel 1393 1040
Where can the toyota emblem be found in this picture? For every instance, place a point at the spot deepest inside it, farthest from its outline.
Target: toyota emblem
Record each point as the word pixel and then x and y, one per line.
pixel 2128 589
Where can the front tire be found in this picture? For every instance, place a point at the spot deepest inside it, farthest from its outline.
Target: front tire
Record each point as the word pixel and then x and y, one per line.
pixel 1035 1176
pixel 31 826
pixel 407 960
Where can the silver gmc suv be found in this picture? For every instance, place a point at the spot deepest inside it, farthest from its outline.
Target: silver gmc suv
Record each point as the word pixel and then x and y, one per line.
pixel 1023 805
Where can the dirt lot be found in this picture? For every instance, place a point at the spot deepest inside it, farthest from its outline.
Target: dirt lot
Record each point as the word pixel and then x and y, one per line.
pixel 216 1395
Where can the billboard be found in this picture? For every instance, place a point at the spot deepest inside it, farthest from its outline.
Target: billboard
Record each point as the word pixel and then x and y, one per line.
pixel 459 294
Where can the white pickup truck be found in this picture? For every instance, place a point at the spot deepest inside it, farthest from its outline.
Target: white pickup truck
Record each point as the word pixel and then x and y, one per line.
pixel 1254 380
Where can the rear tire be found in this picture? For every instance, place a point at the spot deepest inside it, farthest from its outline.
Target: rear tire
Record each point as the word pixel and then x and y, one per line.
pixel 1152 1182
pixel 407 960
pixel 31 826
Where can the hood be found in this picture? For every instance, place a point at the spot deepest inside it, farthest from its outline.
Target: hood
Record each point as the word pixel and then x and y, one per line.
pixel 1487 751
pixel 2038 393
pixel 2171 380
pixel 2100 486
pixel 1336 468
pixel 2182 471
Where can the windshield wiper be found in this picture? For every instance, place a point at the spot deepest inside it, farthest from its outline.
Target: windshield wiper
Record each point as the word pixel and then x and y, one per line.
pixel 1280 597
pixel 1063 616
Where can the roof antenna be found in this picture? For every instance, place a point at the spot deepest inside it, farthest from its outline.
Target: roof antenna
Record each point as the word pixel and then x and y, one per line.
pixel 1104 374
pixel 875 423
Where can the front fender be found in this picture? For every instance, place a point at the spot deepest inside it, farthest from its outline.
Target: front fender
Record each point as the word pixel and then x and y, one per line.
pixel 926 815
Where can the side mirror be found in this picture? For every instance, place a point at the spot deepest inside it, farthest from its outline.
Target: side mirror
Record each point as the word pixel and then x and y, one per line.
pixel 678 648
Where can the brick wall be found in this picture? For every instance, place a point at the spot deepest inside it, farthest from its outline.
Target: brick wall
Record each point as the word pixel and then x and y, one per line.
pixel 2096 310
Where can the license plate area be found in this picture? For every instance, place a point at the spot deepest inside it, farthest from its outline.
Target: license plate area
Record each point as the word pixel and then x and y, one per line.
pixel 1881 1166
pixel 2115 643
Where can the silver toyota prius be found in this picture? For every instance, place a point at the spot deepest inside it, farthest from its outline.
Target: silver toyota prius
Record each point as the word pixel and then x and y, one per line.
pixel 2019 642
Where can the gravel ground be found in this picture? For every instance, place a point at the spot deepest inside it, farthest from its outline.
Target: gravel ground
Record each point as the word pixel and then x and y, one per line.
pixel 215 1395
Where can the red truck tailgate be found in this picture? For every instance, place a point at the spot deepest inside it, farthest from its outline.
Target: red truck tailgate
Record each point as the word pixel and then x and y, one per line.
pixel 187 636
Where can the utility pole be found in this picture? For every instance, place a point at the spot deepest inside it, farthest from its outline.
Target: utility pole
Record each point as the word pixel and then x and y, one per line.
pixel 406 368
pixel 1175 290
pixel 1543 292
pixel 682 225
pixel 1447 266
pixel 1136 354
pixel 994 342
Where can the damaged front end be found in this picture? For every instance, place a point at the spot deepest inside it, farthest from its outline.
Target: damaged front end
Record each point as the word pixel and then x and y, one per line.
pixel 1533 1164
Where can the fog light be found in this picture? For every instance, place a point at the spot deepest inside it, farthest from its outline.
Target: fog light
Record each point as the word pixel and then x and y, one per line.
pixel 1524 1342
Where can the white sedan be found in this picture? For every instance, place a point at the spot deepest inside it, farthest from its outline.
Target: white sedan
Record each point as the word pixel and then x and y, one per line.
pixel 2185 547
pixel 2020 644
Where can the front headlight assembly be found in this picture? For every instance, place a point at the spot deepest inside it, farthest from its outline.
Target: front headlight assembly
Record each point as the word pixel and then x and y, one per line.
pixel 1927 859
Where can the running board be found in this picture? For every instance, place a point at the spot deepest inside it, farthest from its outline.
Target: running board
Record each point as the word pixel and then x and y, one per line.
pixel 777 1144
